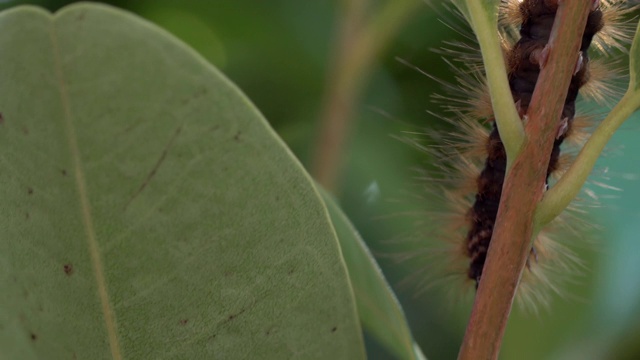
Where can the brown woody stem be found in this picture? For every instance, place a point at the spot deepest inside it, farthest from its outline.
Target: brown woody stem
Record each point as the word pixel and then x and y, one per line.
pixel 523 188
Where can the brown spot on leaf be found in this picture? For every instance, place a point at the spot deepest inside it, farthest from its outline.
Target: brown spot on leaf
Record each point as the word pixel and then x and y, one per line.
pixel 68 269
pixel 236 137
pixel 25 130
pixel 184 322
pixel 29 190
pixel 157 165
pixel 63 172
pixel 234 316
pixel 334 329
pixel 34 337
pixel 1 119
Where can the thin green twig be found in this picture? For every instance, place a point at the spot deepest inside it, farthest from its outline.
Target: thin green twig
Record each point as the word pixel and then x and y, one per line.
pixel 560 195
pixel 566 189
pixel 484 20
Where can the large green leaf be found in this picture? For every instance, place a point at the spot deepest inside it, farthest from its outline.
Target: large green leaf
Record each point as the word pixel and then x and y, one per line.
pixel 380 311
pixel 148 211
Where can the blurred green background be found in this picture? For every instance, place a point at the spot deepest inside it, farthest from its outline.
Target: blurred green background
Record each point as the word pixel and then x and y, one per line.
pixel 281 52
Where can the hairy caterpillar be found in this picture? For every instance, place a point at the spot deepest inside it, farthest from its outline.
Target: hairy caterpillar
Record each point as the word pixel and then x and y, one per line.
pixel 475 154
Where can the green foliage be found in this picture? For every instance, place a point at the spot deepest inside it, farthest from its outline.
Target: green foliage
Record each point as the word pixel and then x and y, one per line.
pixel 148 209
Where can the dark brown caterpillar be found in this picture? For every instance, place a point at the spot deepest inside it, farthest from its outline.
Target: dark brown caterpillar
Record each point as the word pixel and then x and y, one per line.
pixel 471 161
pixel 524 62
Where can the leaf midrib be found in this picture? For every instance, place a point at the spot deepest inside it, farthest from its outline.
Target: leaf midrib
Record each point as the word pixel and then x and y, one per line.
pixel 92 242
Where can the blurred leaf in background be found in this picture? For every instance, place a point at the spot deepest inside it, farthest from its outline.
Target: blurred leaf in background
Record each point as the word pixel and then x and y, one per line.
pixel 279 54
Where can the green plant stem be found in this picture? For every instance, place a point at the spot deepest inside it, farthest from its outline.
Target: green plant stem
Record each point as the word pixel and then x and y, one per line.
pixel 484 20
pixel 560 195
pixel 512 235
pixel 359 43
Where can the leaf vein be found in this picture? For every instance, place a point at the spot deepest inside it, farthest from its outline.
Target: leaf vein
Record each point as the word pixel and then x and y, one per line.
pixel 94 249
